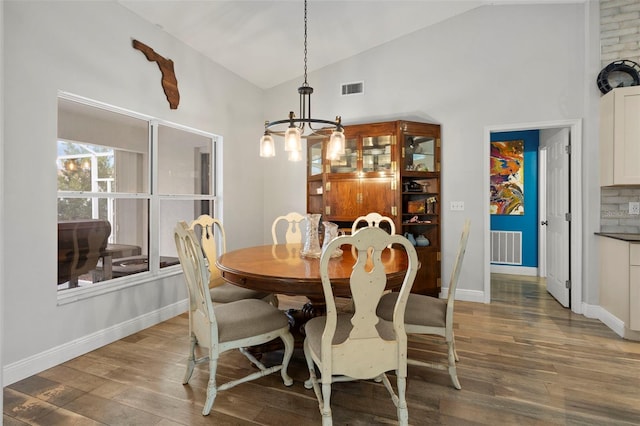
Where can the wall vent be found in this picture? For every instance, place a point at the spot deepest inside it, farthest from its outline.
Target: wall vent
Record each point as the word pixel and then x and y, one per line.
pixel 353 88
pixel 506 247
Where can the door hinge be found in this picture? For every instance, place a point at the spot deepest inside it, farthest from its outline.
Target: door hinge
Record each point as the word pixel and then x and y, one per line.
pixel 567 149
pixel 567 284
pixel 327 186
pixel 394 211
pixel 567 217
pixel 327 210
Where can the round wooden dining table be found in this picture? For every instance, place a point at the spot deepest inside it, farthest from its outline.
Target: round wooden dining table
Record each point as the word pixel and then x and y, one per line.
pixel 281 269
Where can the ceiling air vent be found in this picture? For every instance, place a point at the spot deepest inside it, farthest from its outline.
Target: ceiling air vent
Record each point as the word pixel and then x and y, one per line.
pixel 353 88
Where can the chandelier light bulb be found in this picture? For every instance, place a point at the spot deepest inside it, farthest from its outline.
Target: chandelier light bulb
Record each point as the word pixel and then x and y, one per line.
pixel 336 145
pixel 293 139
pixel 267 146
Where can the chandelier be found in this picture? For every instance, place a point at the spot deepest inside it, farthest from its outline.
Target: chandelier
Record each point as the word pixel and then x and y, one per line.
pixel 301 127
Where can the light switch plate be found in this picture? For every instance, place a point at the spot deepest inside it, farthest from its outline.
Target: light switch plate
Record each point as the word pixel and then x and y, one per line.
pixel 457 205
pixel 634 207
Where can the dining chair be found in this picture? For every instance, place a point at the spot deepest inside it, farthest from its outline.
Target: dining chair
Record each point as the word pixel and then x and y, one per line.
pixel 359 345
pixel 373 219
pixel 227 326
pixel 212 236
pixel 432 315
pixel 293 233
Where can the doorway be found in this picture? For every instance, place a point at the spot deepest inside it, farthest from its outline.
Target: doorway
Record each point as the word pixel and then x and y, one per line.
pixel 573 186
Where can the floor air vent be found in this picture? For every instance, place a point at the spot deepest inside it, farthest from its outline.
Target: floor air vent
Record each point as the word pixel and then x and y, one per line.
pixel 506 247
pixel 352 88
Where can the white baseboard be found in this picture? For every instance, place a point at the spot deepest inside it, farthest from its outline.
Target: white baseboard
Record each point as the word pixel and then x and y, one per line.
pixel 529 271
pixel 465 295
pixel 611 321
pixel 36 363
pixel 591 311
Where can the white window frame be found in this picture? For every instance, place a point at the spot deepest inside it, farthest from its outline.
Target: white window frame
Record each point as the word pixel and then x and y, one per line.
pixel 154 199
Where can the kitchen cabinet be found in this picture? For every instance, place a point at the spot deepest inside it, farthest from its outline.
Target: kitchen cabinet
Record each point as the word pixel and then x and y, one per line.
pixel 620 284
pixel 620 137
pixel 392 168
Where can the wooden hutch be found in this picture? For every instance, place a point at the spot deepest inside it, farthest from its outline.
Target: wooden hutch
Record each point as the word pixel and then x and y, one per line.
pixel 392 168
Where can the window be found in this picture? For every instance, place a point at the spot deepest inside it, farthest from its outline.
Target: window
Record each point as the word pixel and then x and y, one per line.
pixel 118 202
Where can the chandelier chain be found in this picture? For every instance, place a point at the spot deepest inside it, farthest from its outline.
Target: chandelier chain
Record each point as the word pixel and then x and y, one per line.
pixel 305 44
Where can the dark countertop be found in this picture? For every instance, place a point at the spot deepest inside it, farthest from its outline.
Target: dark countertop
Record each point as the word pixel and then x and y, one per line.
pixel 632 238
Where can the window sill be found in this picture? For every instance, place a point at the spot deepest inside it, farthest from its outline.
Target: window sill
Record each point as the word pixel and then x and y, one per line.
pixel 72 295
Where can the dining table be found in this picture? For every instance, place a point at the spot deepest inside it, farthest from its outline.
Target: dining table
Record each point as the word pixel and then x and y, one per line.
pixel 281 269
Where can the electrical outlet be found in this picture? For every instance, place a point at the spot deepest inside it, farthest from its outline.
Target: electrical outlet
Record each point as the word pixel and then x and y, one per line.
pixel 457 205
pixel 634 207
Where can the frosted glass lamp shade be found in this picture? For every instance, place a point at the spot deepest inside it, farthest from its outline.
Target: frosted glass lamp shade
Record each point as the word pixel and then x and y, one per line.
pixel 267 146
pixel 292 139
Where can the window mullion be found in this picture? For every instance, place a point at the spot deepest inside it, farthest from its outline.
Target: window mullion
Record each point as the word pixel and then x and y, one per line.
pixel 154 213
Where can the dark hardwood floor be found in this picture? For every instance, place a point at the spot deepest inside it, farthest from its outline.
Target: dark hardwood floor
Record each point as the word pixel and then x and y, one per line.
pixel 524 360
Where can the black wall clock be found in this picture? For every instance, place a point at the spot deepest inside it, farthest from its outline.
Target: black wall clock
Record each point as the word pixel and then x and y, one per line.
pixel 619 74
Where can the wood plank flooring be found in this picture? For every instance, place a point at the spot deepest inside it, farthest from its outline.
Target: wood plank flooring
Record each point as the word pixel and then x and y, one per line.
pixel 524 360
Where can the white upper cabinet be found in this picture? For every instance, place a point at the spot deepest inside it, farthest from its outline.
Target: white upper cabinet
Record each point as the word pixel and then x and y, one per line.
pixel 620 137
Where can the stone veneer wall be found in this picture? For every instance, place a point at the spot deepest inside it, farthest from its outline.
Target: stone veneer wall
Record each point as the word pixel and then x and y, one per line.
pixel 614 209
pixel 619 39
pixel 619 31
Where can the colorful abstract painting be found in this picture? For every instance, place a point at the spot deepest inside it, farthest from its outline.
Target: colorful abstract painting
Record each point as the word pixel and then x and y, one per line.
pixel 507 177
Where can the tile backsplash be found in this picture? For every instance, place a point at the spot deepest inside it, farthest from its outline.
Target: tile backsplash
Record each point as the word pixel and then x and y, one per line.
pixel 614 209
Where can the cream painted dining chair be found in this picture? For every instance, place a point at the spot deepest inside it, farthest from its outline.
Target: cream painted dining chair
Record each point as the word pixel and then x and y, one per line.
pixel 212 237
pixel 373 219
pixel 359 345
pixel 293 232
pixel 431 315
pixel 227 326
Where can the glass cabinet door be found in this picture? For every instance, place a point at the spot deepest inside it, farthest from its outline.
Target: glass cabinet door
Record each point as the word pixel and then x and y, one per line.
pixel 315 158
pixel 419 153
pixel 376 153
pixel 348 162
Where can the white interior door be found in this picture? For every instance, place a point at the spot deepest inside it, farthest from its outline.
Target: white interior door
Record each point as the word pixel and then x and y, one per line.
pixel 542 212
pixel 557 238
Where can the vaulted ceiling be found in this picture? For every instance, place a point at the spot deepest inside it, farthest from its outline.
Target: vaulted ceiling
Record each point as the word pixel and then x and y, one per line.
pixel 263 41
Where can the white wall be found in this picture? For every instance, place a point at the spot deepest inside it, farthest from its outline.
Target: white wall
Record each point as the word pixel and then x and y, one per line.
pixel 2 204
pixel 85 48
pixel 493 65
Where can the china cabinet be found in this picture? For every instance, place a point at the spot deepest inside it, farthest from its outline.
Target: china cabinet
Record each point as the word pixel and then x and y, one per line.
pixel 392 168
pixel 620 137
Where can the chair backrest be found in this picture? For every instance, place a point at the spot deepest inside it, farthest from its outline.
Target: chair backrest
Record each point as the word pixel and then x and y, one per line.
pixel 384 348
pixel 80 245
pixel 202 321
pixel 373 219
pixel 293 233
pixel 457 266
pixel 212 237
